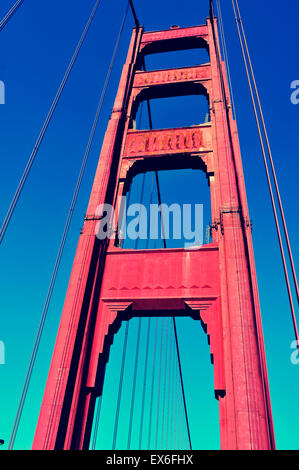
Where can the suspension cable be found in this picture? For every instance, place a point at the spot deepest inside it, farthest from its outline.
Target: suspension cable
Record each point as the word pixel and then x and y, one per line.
pixel 150 202
pixel 141 200
pixel 138 333
pixel 152 385
pixel 134 14
pixel 171 358
pixel 62 246
pixel 134 385
pixel 261 352
pixel 144 382
pixel 120 385
pixel 159 383
pixel 165 383
pixel 239 21
pixel 173 399
pixel 269 182
pixel 97 421
pixel 181 379
pixel 45 126
pixel 155 338
pixel 224 48
pixel 174 326
pixel 176 410
pixel 10 14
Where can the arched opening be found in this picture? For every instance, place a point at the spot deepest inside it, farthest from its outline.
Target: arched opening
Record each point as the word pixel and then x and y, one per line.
pixel 174 53
pixel 141 405
pixel 184 193
pixel 176 59
pixel 177 111
pixel 175 105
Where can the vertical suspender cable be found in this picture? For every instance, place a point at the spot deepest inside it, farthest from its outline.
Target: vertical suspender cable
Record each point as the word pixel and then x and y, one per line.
pixel 144 383
pixel 134 386
pixel 61 248
pixel 161 213
pixel 159 384
pixel 176 410
pixel 172 400
pixel 141 200
pixel 239 21
pixel 155 349
pixel 97 421
pixel 147 347
pixel 10 14
pixel 152 387
pixel 150 202
pixel 165 383
pixel 269 182
pixel 181 380
pixel 121 379
pixel 45 126
pixel 169 395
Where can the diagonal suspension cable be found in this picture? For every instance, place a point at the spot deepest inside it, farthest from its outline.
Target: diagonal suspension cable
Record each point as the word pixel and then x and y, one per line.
pixel 224 48
pixel 10 14
pixel 62 245
pixel 45 126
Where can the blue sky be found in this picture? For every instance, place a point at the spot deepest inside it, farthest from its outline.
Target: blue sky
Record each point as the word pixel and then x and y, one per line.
pixel 35 48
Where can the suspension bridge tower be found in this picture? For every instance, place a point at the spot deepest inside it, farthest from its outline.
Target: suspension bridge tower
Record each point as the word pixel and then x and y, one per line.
pixel 215 283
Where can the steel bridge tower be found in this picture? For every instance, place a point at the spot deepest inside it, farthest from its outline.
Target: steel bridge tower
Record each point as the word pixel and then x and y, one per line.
pixel 215 283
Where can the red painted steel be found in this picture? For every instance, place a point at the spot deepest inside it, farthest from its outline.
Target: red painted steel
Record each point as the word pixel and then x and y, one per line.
pixel 215 284
pixel 168 142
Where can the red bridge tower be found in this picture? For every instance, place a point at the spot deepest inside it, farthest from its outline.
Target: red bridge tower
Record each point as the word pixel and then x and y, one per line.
pixel 216 283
